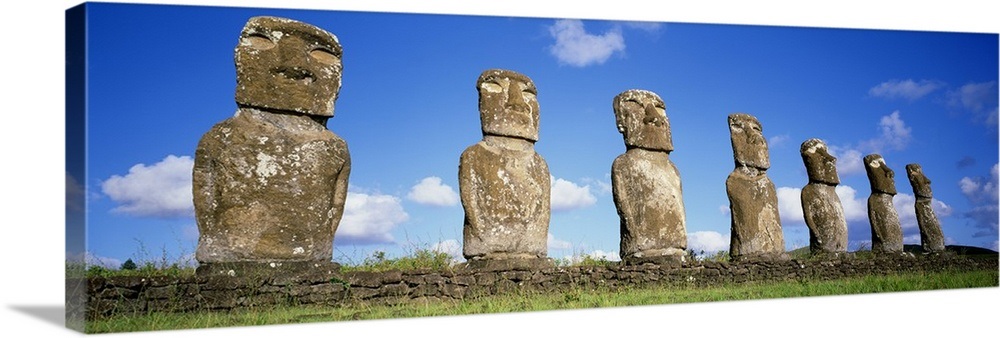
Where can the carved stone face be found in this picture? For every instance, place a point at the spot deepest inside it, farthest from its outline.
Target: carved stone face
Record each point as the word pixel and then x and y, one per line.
pixel 920 183
pixel 507 104
pixel 287 65
pixel 882 178
pixel 820 165
pixel 749 145
pixel 642 119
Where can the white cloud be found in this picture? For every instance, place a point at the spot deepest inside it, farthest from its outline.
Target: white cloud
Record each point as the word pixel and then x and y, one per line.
pixel 854 209
pixel 162 189
pixel 451 247
pixel 849 161
pixel 982 192
pixel 575 47
pixel 940 208
pixel 980 189
pixel 650 27
pixel 904 89
pixel 970 187
pixel 603 187
pixel 975 96
pixel 708 241
pixel 724 209
pixel 567 195
pixel 984 219
pixel 790 205
pixel 777 140
pixel 370 218
pixel 905 205
pixel 558 244
pixel 430 191
pixel 980 99
pixel 895 133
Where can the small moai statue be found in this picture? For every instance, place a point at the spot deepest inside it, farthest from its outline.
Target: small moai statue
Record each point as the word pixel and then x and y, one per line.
pixel 931 236
pixel 887 235
pixel 823 211
pixel 270 182
pixel 645 184
pixel 753 202
pixel 503 183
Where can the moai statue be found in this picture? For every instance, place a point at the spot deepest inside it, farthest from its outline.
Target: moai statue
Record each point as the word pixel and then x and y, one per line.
pixel 824 214
pixel 931 237
pixel 504 184
pixel 270 182
pixel 887 236
pixel 645 183
pixel 753 202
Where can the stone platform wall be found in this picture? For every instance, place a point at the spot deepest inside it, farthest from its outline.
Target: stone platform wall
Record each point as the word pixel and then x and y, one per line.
pixel 108 296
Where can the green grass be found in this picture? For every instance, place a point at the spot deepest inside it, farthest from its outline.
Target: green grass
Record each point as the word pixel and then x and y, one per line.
pixel 418 259
pixel 145 270
pixel 529 301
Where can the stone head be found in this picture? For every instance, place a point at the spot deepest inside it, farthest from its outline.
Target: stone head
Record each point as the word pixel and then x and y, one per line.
pixel 920 183
pixel 507 104
pixel 881 177
pixel 641 117
pixel 749 145
pixel 287 65
pixel 820 165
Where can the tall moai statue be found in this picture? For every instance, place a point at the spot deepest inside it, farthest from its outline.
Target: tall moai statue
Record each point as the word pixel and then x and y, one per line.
pixel 504 184
pixel 823 211
pixel 931 236
pixel 753 202
pixel 887 235
pixel 270 182
pixel 645 183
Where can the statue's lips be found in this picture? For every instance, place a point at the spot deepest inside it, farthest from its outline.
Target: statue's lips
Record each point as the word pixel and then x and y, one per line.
pixel 294 74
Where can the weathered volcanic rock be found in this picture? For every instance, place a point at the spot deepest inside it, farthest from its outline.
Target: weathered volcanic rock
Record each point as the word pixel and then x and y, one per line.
pixel 287 65
pixel 821 207
pixel 270 182
pixel 504 184
pixel 887 235
pixel 931 236
pixel 753 202
pixel 645 184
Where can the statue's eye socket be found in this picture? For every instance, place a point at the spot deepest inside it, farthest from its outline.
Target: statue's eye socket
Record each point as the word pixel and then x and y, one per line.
pixel 259 41
pixel 632 105
pixel 491 87
pixel 324 56
pixel 528 95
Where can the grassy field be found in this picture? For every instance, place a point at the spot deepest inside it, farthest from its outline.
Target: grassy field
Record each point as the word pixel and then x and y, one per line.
pixel 573 299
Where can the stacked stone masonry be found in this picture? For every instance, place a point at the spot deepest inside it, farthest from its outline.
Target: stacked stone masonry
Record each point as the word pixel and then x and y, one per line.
pixel 137 295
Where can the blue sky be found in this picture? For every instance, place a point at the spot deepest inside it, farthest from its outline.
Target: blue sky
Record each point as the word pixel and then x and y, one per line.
pixel 161 76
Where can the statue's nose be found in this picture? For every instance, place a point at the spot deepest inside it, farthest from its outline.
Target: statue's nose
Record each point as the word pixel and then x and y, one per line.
pixel 295 62
pixel 652 116
pixel 515 100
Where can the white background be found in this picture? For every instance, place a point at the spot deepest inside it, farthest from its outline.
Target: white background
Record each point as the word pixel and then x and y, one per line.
pixel 31 160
